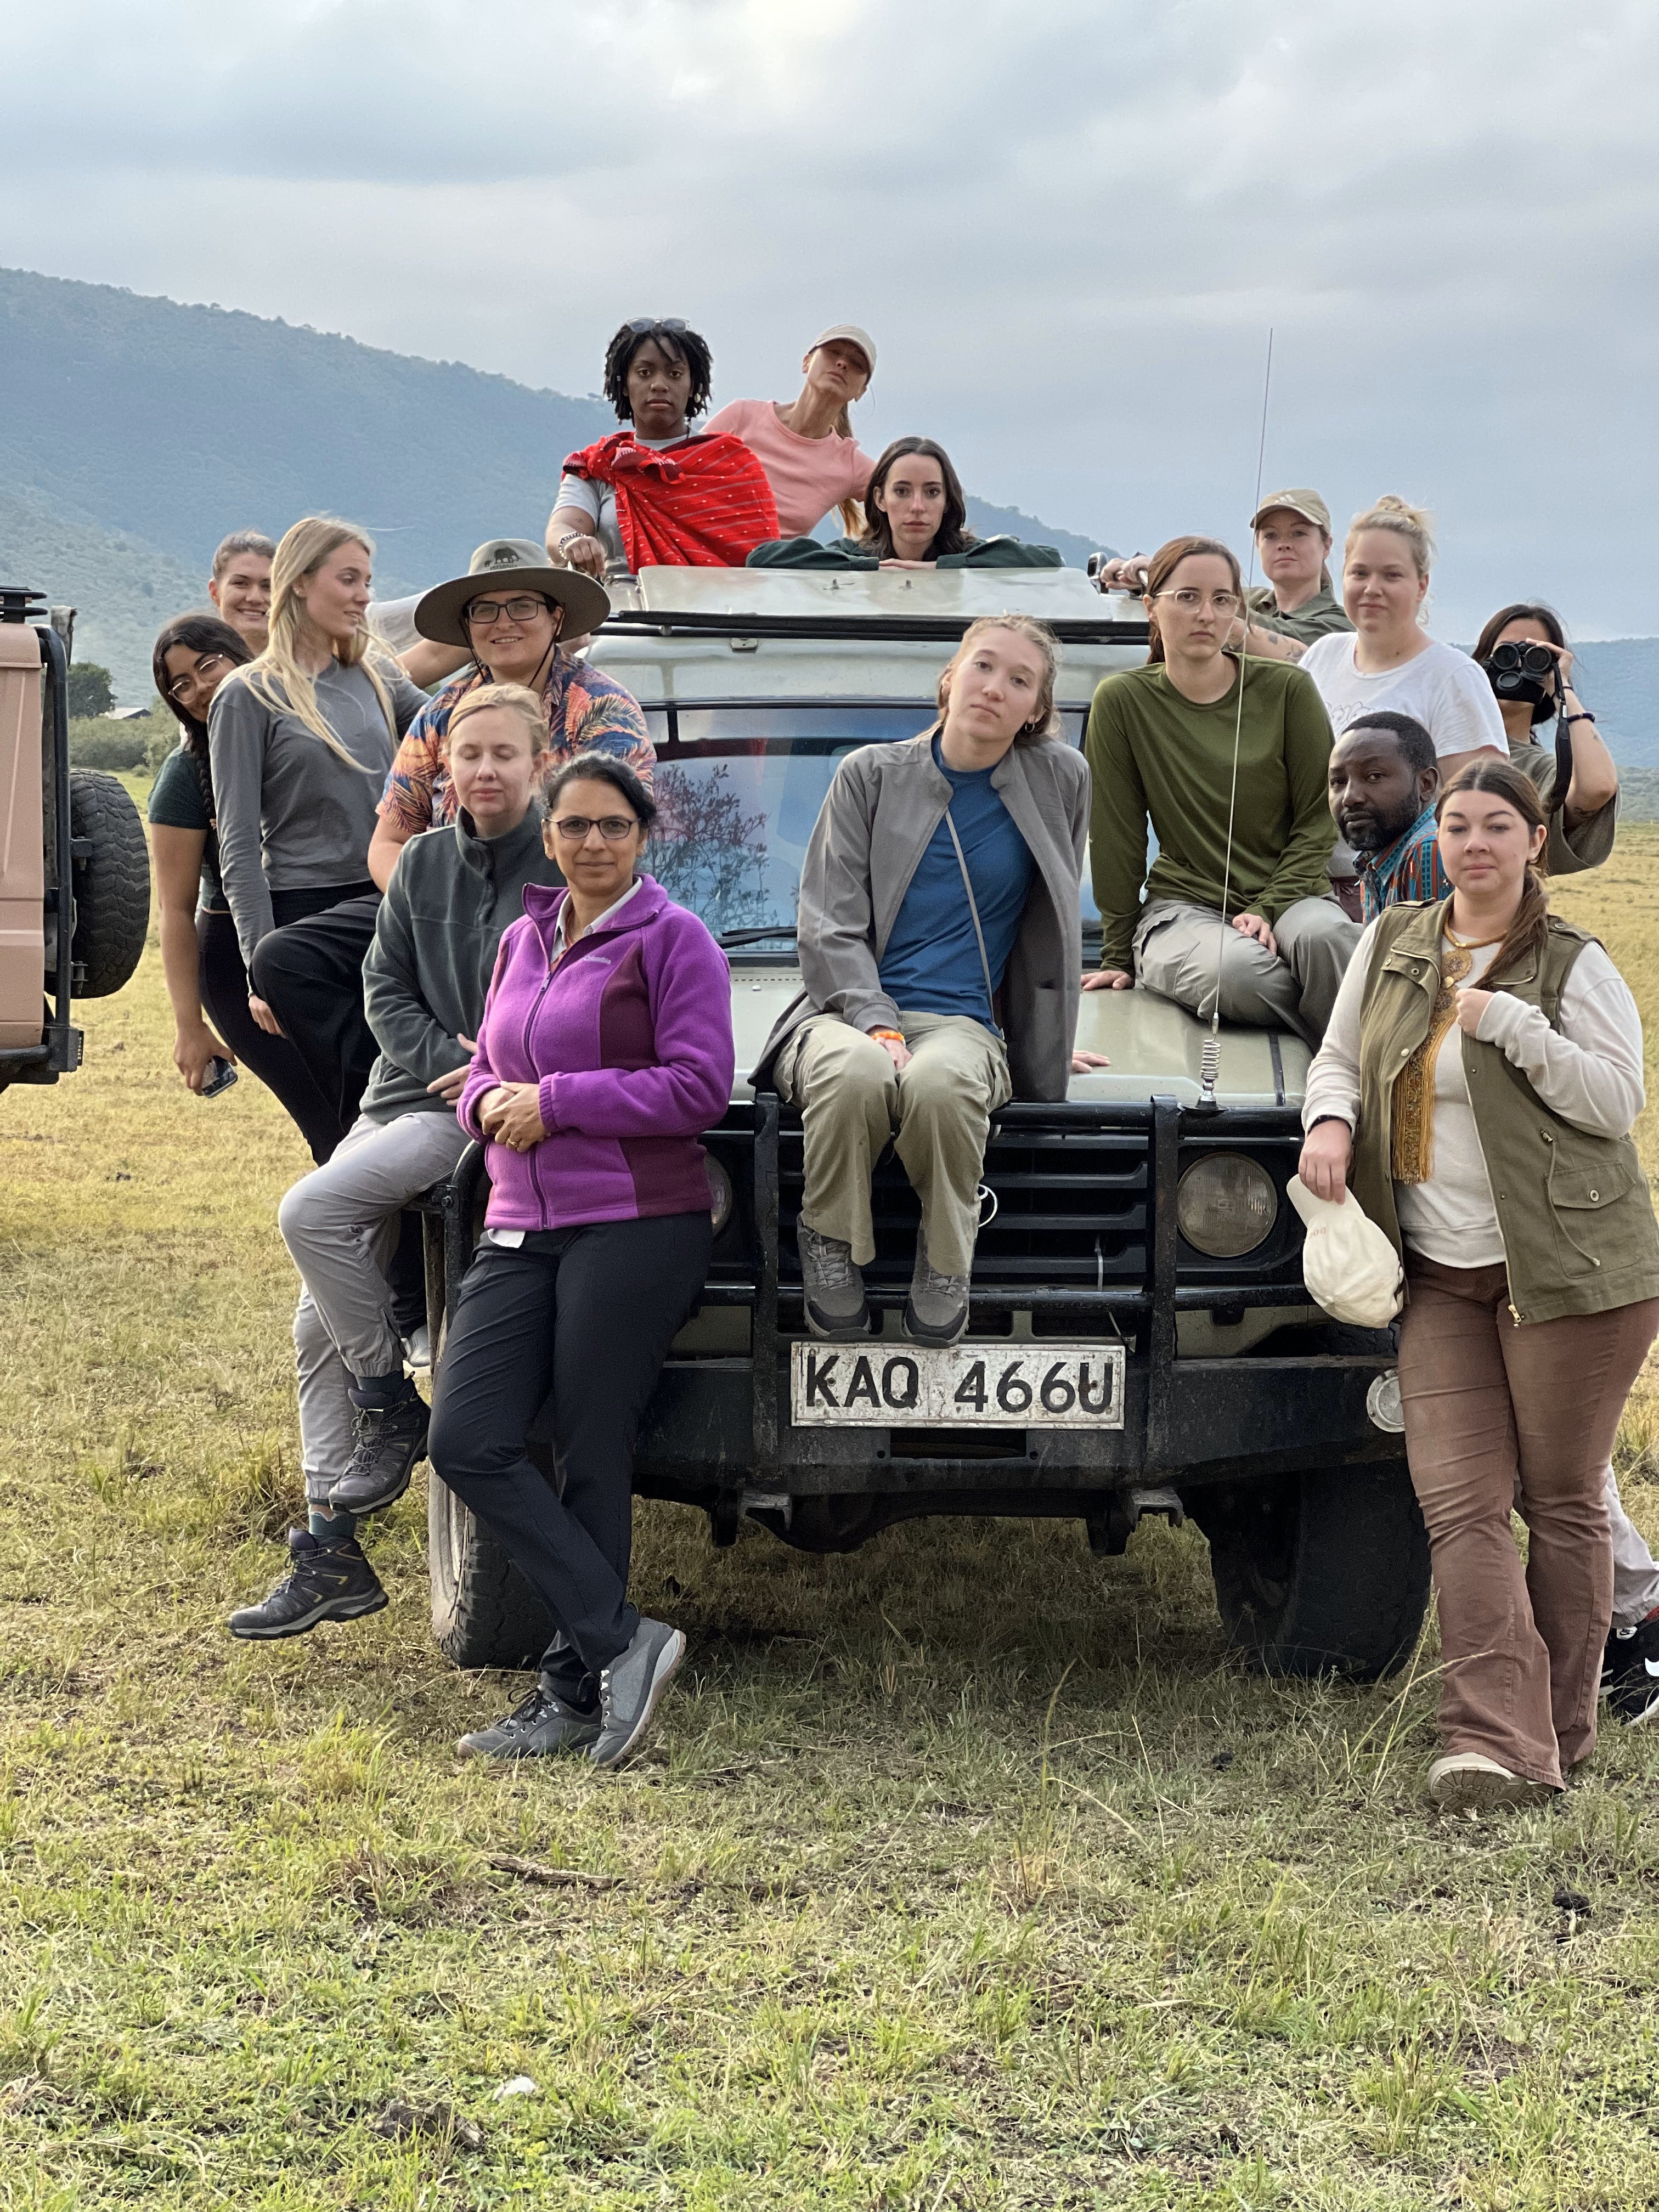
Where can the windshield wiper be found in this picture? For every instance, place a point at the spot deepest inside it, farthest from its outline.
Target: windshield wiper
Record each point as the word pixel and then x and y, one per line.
pixel 729 940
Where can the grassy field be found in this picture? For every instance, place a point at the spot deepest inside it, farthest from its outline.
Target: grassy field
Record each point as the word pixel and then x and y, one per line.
pixel 962 1871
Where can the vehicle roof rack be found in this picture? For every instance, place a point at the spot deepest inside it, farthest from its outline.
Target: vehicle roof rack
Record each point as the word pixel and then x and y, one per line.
pixel 929 629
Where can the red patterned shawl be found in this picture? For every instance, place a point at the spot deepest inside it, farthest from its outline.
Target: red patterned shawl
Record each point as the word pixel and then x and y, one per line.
pixel 705 504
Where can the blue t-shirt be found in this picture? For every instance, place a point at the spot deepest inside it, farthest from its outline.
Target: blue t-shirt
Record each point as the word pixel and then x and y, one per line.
pixel 932 963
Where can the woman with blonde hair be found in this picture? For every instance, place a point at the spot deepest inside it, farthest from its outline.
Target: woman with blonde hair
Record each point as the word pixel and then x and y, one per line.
pixel 1477 1089
pixel 940 945
pixel 1389 660
pixel 300 742
pixel 811 459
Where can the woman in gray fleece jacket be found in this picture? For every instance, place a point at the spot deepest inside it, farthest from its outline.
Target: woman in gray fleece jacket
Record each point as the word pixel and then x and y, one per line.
pixel 454 890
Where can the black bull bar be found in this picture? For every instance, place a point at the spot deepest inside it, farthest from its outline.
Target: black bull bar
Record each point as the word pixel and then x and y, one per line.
pixel 719 1432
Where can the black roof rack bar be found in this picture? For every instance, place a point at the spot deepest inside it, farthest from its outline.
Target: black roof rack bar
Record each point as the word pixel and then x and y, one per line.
pixel 929 629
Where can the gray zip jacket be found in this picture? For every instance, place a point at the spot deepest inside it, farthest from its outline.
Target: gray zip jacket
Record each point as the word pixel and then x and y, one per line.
pixel 450 896
pixel 882 810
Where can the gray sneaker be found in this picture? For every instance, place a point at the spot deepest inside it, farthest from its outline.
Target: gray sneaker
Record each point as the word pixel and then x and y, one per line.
pixel 540 1724
pixel 631 1688
pixel 936 1311
pixel 832 1288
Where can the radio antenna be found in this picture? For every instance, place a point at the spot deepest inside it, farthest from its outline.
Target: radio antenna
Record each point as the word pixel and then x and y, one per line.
pixel 1209 1066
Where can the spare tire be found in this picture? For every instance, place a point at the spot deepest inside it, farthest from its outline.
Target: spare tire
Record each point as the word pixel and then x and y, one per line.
pixel 111 883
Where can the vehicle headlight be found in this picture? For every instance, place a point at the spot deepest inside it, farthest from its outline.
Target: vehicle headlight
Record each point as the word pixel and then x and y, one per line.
pixel 1226 1205
pixel 719 1193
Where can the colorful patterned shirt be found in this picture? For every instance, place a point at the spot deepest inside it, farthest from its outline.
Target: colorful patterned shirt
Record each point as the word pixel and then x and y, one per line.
pixel 587 710
pixel 1409 869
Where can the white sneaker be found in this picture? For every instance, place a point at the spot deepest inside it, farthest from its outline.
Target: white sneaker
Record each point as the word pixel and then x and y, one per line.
pixel 417 1352
pixel 1467 1781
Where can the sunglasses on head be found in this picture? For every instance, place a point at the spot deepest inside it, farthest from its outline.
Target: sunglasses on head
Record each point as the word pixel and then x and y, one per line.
pixel 642 324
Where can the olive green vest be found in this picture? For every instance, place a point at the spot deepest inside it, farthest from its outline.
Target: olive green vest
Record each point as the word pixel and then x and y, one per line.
pixel 1573 1210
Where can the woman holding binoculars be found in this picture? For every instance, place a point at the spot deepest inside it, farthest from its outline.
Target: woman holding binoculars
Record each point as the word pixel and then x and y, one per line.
pixel 1524 652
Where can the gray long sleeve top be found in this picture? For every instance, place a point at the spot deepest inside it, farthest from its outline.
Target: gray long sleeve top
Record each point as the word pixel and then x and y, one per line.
pixel 450 896
pixel 291 815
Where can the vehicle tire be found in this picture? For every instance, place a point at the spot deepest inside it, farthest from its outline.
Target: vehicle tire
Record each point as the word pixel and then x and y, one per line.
pixel 112 885
pixel 484 1612
pixel 1324 1573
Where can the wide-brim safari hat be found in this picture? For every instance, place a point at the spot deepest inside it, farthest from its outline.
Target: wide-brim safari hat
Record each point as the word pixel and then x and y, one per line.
pixel 510 564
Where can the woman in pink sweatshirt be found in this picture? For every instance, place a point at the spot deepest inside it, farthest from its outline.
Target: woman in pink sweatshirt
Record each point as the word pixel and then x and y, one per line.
pixel 606 1052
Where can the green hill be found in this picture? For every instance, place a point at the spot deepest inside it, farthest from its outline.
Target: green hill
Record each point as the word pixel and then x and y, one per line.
pixel 135 432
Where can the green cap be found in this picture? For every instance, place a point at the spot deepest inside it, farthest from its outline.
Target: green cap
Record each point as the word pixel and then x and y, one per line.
pixel 1307 504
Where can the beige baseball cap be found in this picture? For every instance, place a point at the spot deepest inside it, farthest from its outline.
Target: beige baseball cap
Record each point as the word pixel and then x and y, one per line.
pixel 853 335
pixel 1307 504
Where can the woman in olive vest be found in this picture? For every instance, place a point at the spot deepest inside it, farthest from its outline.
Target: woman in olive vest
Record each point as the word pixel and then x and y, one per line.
pixel 1476 1087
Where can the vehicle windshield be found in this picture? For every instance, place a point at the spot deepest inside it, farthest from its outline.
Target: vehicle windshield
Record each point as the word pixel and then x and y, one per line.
pixel 739 789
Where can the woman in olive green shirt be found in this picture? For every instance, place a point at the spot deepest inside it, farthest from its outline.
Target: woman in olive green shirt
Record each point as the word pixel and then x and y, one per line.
pixel 1239 891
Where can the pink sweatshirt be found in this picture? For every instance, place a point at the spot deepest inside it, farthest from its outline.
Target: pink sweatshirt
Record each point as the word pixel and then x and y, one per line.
pixel 808 475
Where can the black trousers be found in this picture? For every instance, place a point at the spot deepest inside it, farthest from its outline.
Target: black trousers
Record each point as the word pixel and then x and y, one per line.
pixel 222 981
pixel 309 971
pixel 588 1314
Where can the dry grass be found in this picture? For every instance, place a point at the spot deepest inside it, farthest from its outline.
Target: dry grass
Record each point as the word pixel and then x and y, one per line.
pixel 965 1871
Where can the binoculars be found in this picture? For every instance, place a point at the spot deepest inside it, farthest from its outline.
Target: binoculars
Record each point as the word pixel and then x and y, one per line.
pixel 1520 668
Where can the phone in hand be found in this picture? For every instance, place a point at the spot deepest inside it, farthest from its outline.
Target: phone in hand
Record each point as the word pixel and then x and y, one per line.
pixel 221 1074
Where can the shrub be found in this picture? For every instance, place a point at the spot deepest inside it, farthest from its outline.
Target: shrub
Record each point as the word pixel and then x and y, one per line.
pixel 143 742
pixel 91 691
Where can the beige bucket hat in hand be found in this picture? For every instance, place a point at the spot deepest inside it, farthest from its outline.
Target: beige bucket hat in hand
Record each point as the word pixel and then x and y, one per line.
pixel 1349 1266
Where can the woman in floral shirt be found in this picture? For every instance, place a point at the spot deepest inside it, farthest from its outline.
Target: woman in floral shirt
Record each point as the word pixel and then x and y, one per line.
pixel 509 617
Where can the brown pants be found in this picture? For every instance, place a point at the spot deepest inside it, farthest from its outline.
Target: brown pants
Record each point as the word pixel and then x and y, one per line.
pixel 1498 1415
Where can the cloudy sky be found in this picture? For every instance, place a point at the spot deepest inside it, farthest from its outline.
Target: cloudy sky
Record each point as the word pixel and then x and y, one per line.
pixel 1069 223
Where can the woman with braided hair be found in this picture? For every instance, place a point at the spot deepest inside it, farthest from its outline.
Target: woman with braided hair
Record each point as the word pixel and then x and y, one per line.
pixel 656 493
pixel 1476 1087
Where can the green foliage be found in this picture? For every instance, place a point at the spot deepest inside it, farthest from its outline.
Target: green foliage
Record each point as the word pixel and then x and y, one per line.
pixel 143 742
pixel 91 691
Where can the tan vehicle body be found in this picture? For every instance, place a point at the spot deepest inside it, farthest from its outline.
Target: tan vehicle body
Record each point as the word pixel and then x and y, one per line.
pixel 22 860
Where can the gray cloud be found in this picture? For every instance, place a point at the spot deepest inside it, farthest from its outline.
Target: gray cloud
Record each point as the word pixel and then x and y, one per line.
pixel 1071 226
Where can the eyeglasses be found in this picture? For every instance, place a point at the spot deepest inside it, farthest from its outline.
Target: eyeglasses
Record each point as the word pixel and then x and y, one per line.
pixel 480 613
pixel 613 828
pixel 642 324
pixel 182 689
pixel 1189 601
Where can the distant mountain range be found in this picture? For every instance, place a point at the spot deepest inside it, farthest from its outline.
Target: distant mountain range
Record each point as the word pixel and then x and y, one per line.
pixel 135 432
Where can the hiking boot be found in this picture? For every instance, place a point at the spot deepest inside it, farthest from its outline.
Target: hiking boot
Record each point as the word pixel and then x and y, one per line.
pixel 329 1582
pixel 1468 1781
pixel 391 1442
pixel 1630 1673
pixel 936 1311
pixel 541 1723
pixel 631 1688
pixel 832 1287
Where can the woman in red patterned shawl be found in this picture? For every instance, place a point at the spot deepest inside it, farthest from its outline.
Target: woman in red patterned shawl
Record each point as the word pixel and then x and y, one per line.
pixel 655 493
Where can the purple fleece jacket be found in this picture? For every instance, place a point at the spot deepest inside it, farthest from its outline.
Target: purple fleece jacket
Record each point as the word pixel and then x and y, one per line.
pixel 629 1039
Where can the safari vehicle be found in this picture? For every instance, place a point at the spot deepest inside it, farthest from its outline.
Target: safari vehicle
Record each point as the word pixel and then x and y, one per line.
pixel 1140 1340
pixel 74 865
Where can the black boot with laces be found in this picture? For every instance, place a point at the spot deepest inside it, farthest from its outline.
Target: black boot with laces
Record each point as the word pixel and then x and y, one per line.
pixel 328 1582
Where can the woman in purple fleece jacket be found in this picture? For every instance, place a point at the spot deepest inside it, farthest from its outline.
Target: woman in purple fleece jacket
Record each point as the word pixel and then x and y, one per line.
pixel 605 1053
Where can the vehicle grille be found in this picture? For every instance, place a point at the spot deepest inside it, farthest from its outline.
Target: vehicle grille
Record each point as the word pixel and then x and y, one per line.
pixel 1072 1210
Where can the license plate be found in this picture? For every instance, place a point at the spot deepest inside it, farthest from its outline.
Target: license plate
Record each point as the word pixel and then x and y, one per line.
pixel 1022 1384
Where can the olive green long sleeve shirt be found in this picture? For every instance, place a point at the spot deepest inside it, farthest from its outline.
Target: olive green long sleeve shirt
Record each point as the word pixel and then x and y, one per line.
pixel 1155 756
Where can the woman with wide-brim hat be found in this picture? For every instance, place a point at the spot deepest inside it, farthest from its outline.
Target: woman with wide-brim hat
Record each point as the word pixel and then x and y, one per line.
pixel 509 613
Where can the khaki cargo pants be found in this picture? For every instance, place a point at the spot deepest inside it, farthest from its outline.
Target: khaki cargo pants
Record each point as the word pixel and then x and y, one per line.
pixel 937 1113
pixel 1178 947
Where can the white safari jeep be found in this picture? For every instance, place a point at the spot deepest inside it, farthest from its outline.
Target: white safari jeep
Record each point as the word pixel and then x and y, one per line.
pixel 1140 1339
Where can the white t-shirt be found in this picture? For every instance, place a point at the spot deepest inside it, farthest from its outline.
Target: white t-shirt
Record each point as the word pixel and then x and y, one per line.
pixel 1442 688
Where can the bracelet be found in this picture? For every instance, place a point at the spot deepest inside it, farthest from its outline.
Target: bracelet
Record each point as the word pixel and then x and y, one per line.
pixel 1567 720
pixel 571 536
pixel 896 1035
pixel 1320 1119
